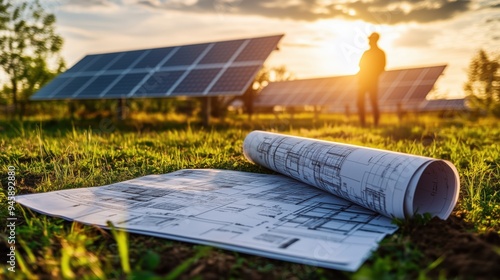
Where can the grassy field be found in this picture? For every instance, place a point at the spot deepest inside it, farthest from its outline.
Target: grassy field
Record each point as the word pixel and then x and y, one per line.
pixel 53 155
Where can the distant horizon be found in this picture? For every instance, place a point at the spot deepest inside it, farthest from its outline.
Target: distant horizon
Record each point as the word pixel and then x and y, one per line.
pixel 322 39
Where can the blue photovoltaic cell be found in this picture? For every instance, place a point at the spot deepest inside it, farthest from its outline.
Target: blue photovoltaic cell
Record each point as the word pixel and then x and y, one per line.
pixel 82 64
pixel 421 91
pixel 433 73
pixel 125 85
pixel 51 87
pixel 389 76
pixel 185 55
pixel 411 75
pixel 197 81
pixel 231 80
pixel 399 92
pixel 258 49
pixel 159 83
pixel 153 58
pixel 102 61
pixel 72 87
pixel 94 89
pixel 221 52
pixel 126 60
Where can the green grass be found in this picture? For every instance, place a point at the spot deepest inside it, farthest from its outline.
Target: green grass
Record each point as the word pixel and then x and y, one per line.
pixel 55 155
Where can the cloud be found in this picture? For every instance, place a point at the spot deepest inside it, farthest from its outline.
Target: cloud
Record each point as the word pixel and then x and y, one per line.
pixel 88 3
pixel 373 11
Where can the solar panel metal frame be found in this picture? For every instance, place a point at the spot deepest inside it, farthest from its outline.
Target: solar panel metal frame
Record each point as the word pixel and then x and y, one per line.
pixel 97 66
pixel 339 93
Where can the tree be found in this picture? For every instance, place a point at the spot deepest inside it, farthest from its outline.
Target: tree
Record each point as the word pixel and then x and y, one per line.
pixel 483 84
pixel 30 49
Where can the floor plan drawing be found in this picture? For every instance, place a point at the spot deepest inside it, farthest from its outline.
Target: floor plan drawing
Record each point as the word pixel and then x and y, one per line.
pixel 292 158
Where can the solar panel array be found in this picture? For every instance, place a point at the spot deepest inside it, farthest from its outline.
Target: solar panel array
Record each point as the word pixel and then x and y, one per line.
pixel 209 69
pixel 406 88
pixel 434 105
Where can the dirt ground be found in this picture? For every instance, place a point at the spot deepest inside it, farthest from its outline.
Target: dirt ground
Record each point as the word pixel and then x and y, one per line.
pixel 466 255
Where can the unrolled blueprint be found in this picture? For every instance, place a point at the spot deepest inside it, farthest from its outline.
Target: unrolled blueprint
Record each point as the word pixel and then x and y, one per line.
pixel 334 218
pixel 267 215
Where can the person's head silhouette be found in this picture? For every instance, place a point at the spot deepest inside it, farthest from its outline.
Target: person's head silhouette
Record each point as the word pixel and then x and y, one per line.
pixel 373 39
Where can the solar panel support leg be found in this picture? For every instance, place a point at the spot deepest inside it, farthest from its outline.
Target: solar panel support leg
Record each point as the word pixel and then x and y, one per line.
pixel 317 110
pixel 206 110
pixel 121 110
pixel 72 109
pixel 400 112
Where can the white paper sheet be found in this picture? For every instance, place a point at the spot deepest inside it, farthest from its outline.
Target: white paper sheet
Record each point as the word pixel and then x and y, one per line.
pixel 273 215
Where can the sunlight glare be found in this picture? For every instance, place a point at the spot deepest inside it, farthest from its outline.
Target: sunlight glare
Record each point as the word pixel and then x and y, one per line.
pixel 343 42
pixel 338 53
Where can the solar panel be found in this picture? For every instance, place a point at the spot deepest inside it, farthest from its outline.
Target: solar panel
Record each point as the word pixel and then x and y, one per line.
pixel 83 64
pixel 125 85
pixel 72 86
pixel 406 88
pixel 97 86
pixel 230 81
pixel 153 57
pixel 221 52
pixel 159 83
pixel 434 105
pixel 258 49
pixel 102 61
pixel 197 81
pixel 126 60
pixel 207 69
pixel 185 55
pixel 54 87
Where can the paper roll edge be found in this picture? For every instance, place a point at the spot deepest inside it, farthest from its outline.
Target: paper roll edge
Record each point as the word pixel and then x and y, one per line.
pixel 434 189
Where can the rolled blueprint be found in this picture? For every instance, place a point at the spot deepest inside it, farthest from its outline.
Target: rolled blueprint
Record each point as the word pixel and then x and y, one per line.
pixel 390 183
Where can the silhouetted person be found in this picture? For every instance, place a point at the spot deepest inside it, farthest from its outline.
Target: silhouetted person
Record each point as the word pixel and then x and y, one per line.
pixel 371 65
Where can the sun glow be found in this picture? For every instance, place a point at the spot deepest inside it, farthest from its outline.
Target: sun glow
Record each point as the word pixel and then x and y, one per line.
pixel 339 46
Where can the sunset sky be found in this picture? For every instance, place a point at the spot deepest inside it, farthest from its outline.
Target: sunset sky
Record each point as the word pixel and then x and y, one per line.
pixel 322 37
